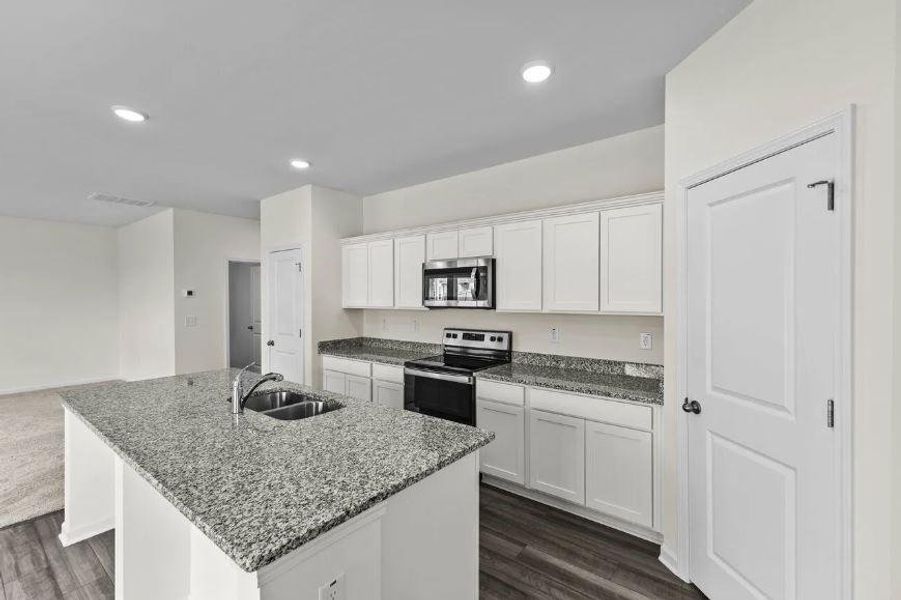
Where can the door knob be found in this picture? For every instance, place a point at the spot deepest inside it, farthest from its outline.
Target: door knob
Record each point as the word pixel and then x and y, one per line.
pixel 250 327
pixel 691 406
pixel 270 343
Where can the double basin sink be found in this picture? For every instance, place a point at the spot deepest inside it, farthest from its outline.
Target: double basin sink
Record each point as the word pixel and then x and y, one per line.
pixel 287 406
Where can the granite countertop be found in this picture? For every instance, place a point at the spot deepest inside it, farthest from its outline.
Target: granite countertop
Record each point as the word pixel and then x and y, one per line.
pixel 256 486
pixel 389 352
pixel 634 382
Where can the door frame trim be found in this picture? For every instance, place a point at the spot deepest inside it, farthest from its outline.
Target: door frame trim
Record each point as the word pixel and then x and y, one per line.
pixel 841 125
pixel 228 284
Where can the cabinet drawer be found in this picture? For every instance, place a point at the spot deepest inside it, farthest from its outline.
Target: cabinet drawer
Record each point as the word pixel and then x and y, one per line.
pixel 346 365
pixel 500 392
pixel 387 373
pixel 592 408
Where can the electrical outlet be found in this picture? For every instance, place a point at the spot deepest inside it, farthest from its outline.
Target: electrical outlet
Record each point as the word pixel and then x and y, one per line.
pixel 384 324
pixel 646 341
pixel 333 590
pixel 415 325
pixel 555 335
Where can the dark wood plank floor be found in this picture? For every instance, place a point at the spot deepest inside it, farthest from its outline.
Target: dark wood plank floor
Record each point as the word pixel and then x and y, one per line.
pixel 527 551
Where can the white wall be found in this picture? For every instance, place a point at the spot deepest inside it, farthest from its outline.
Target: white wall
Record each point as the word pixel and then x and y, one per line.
pixel 204 244
pixel 146 288
pixel 622 165
pixel 314 219
pixel 778 66
pixel 58 304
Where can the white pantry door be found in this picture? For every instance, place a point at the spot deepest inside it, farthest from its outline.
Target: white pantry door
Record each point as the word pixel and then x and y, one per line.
pixel 285 343
pixel 763 312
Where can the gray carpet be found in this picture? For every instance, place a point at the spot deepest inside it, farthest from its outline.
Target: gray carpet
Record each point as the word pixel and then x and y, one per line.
pixel 31 456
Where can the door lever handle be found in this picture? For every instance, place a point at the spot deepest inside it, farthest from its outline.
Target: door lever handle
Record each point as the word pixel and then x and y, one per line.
pixel 691 406
pixel 270 343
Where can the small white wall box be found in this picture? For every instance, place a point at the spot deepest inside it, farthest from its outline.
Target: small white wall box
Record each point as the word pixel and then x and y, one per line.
pixel 187 293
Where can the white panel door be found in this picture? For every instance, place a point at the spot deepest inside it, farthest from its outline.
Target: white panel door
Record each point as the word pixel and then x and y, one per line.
pixel 518 278
pixel 333 381
pixel 505 456
pixel 632 259
pixel 256 313
pixel 762 313
pixel 359 387
pixel 557 455
pixel 354 275
pixel 388 394
pixel 442 245
pixel 477 241
pixel 409 254
pixel 619 471
pixel 381 274
pixel 571 263
pixel 284 333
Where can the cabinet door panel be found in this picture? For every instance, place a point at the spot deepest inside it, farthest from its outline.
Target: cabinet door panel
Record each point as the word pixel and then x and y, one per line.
pixel 477 241
pixel 557 455
pixel 619 472
pixel 409 254
pixel 359 387
pixel 505 456
pixel 333 381
pixel 631 259
pixel 354 275
pixel 388 394
pixel 381 274
pixel 518 252
pixel 571 262
pixel 442 245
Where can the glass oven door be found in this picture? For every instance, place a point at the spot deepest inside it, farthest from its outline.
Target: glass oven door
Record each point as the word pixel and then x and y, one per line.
pixel 465 283
pixel 444 395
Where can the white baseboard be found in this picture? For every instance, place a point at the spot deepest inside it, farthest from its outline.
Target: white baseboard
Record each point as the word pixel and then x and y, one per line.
pixel 586 513
pixel 69 536
pixel 669 560
pixel 56 385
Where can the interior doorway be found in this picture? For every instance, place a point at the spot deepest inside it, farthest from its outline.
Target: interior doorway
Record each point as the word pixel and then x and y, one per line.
pixel 244 314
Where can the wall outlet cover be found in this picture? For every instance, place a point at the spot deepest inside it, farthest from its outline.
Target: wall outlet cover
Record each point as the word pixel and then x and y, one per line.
pixel 555 335
pixel 334 590
pixel 646 341
pixel 190 320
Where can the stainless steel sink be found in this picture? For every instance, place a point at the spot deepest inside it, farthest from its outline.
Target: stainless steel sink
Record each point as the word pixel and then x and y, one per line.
pixel 287 406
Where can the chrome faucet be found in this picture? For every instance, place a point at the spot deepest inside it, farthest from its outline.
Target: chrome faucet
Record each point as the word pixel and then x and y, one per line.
pixel 239 398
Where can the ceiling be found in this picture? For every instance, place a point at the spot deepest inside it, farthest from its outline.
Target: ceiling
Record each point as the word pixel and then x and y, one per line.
pixel 377 95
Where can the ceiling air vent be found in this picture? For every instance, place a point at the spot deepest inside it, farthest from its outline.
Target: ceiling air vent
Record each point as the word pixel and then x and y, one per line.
pixel 101 197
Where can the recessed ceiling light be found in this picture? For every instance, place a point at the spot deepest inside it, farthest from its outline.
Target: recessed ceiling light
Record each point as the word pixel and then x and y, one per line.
pixel 129 114
pixel 299 163
pixel 536 72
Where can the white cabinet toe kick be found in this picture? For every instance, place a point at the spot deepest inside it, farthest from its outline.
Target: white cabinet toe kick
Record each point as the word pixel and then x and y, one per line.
pixel 595 457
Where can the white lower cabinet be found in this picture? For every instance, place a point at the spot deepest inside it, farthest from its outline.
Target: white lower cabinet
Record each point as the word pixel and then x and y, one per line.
pixel 619 472
pixel 359 387
pixel 332 381
pixel 557 455
pixel 505 456
pixel 388 394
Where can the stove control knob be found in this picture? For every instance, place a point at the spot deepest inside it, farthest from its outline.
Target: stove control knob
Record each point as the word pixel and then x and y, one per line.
pixel 493 339
pixel 447 335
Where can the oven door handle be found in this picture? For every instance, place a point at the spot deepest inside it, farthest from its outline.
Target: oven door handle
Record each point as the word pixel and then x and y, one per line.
pixel 441 376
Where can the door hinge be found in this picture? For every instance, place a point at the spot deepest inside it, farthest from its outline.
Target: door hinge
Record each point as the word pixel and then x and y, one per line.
pixel 830 184
pixel 830 413
pixel 300 333
pixel 299 267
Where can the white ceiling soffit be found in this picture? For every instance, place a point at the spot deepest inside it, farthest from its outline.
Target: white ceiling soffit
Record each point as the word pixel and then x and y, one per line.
pixel 377 95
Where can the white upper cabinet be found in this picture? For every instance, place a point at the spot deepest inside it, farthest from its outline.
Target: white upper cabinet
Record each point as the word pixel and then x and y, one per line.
pixel 518 278
pixel 409 254
pixel 571 263
pixel 381 274
pixel 355 275
pixel 442 245
pixel 478 241
pixel 631 259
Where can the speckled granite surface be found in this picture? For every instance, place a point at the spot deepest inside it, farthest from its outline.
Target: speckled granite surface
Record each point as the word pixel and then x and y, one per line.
pixel 256 486
pixel 390 352
pixel 636 382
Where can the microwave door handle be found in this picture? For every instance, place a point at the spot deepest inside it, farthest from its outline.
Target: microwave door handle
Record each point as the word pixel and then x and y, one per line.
pixel 475 283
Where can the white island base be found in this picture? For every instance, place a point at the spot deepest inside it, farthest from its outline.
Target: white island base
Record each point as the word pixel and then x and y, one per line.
pixel 419 543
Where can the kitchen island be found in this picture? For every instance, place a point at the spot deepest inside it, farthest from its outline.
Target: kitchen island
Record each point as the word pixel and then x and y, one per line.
pixel 205 504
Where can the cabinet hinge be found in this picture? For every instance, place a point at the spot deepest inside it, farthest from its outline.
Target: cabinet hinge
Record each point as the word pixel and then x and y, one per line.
pixel 830 184
pixel 830 413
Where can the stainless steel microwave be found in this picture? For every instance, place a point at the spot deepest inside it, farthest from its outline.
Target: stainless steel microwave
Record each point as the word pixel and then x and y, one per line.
pixel 461 283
